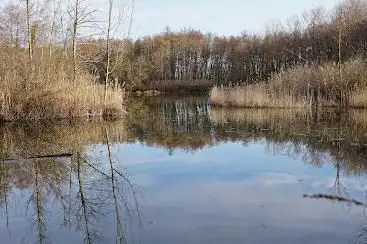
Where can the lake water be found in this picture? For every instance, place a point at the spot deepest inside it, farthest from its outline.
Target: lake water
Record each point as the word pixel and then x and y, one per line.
pixel 178 171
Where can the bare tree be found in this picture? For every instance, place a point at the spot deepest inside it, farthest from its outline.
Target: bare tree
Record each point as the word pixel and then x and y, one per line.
pixel 110 68
pixel 29 36
pixel 108 48
pixel 81 16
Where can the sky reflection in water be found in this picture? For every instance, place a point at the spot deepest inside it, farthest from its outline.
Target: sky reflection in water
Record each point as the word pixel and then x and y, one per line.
pixel 199 175
pixel 236 194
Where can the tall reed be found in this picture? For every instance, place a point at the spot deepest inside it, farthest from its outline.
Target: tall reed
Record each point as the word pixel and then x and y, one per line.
pixel 303 86
pixel 46 90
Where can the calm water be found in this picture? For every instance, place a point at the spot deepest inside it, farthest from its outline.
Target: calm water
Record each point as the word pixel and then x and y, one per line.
pixel 178 171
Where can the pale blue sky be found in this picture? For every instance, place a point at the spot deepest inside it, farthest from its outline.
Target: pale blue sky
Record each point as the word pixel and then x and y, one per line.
pixel 222 17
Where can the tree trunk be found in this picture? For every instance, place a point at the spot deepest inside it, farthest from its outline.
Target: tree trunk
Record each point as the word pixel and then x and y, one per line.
pixel 74 39
pixel 29 36
pixel 108 49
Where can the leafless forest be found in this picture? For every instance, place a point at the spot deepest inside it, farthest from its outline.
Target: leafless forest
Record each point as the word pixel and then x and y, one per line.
pixel 314 38
pixel 61 60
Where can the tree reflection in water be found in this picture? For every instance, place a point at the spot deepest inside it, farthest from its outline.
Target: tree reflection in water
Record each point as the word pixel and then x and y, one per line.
pixel 79 187
pixel 88 189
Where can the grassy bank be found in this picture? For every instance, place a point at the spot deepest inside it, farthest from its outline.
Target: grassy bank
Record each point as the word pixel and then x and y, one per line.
pixel 303 86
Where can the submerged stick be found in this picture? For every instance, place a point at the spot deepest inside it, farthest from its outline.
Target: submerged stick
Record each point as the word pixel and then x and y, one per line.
pixel 334 198
pixel 62 155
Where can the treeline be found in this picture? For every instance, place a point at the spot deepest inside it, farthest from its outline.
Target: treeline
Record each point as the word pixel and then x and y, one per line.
pixel 316 37
pixel 175 58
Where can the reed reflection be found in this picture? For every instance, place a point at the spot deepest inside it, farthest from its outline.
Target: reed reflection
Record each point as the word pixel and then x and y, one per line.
pixel 64 181
pixel 58 167
pixel 317 137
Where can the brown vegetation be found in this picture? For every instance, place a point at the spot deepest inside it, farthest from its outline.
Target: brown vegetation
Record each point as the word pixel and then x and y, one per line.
pixel 333 76
pixel 315 38
pixel 303 86
pixel 252 96
pixel 41 46
pixel 42 71
pixel 53 95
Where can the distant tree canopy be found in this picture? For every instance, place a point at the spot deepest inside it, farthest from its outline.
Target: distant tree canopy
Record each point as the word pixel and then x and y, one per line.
pixel 192 55
pixel 312 38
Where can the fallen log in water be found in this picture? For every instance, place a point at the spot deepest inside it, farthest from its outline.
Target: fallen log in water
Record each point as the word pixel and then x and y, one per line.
pixel 62 155
pixel 334 198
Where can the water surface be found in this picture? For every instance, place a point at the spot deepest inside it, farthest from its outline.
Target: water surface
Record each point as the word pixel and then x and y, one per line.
pixel 178 171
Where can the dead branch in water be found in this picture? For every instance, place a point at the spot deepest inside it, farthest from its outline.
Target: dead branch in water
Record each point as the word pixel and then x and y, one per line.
pixel 334 198
pixel 62 155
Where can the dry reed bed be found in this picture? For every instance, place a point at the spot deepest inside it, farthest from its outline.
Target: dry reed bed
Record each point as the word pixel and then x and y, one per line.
pixel 253 96
pixel 303 86
pixel 55 101
pixel 47 91
pixel 278 117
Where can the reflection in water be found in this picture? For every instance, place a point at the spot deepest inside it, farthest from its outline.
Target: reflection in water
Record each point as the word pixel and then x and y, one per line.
pixel 70 174
pixel 76 185
pixel 318 137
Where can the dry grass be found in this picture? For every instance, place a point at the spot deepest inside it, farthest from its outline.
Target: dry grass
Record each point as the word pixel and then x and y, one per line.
pixel 57 100
pixel 358 99
pixel 302 86
pixel 49 92
pixel 252 96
